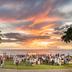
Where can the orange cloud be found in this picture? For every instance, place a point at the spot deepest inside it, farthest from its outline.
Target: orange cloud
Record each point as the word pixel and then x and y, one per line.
pixel 43 18
pixel 37 43
pixel 38 20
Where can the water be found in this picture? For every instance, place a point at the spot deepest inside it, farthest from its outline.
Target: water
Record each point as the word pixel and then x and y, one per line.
pixel 35 51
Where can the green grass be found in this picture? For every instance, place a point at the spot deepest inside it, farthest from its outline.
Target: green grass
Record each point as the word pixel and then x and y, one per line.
pixel 10 65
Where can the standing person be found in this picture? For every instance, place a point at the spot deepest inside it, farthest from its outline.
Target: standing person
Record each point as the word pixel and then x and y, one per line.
pixel 38 62
pixel 52 61
pixel 59 60
pixel 2 60
pixel 17 62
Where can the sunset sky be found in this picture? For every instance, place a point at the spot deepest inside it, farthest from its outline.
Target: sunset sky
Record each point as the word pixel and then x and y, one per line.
pixel 34 24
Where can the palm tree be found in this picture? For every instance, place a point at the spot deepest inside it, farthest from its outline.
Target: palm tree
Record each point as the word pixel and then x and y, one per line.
pixel 67 37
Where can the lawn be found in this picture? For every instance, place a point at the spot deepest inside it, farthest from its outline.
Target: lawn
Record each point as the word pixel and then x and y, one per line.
pixel 10 65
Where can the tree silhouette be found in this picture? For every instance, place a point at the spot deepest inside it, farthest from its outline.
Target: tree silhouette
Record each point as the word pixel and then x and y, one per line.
pixel 67 37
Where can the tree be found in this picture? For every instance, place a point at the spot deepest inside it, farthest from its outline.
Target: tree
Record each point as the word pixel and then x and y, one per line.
pixel 67 37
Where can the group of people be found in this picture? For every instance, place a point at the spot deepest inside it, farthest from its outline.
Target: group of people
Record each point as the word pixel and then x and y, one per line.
pixel 56 59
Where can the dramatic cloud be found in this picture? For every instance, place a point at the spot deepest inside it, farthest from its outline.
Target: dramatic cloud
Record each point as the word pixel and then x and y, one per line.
pixel 34 23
